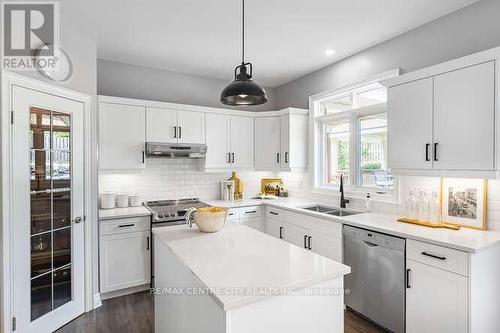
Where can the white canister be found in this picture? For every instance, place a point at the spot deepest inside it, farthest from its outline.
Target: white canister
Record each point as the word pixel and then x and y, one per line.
pixel 122 200
pixel 134 200
pixel 108 200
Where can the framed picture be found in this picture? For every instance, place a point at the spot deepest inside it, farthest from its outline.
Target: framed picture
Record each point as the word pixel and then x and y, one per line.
pixel 463 202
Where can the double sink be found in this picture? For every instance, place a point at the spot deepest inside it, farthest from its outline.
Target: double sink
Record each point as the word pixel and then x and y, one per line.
pixel 331 210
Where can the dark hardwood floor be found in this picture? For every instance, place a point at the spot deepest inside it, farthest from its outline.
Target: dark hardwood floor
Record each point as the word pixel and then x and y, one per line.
pixel 135 314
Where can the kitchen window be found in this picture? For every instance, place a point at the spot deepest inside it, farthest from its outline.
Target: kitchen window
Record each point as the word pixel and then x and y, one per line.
pixel 350 131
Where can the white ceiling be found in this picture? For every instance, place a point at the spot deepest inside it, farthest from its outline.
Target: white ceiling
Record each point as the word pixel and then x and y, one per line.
pixel 285 38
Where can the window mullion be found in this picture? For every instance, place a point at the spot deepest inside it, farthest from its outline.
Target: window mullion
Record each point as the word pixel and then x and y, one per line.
pixel 354 152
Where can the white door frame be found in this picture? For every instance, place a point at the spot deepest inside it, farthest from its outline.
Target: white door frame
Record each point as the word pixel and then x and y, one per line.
pixel 9 80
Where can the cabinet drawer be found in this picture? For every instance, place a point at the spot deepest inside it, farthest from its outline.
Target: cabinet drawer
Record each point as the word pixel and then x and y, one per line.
pixel 120 226
pixel 438 256
pixel 233 214
pixel 247 212
pixel 275 213
pixel 325 226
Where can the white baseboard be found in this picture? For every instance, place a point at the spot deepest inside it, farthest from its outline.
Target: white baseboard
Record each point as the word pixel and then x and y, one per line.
pixel 97 300
pixel 123 292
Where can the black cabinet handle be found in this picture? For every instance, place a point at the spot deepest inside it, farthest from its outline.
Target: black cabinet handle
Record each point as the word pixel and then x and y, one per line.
pixel 305 242
pixel 435 151
pixel 273 213
pixel 232 154
pixel 433 256
pixel 309 240
pixel 180 132
pixel 175 132
pixel 281 234
pixel 125 225
pixel 147 243
pixel 286 157
pixel 427 146
pixel 143 157
pixel 408 286
pixel 228 157
pixel 251 212
pixel 278 158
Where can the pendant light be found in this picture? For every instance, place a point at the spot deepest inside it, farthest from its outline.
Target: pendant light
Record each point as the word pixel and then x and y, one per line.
pixel 243 90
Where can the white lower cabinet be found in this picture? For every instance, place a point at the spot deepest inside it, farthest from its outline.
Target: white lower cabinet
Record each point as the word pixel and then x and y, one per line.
pixel 436 300
pixel 125 258
pixel 436 289
pixel 305 231
pixel 248 216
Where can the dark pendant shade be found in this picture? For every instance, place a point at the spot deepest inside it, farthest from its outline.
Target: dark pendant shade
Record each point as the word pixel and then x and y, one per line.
pixel 243 90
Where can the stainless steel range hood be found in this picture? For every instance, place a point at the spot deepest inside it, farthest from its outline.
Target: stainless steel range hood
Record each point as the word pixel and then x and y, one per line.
pixel 175 150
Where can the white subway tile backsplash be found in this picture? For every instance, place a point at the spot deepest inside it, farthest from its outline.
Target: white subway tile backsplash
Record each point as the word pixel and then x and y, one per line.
pixel 182 178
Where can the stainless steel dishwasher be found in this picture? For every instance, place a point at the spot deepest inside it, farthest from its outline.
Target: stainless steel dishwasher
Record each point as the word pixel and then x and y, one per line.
pixel 377 281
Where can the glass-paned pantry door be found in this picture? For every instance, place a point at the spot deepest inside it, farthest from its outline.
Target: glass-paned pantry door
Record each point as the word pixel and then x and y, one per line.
pixel 48 210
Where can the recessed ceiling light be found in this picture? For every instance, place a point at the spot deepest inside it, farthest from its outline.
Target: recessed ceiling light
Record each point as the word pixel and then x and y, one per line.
pixel 330 52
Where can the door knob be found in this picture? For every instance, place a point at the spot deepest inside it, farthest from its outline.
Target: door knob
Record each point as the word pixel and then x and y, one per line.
pixel 78 219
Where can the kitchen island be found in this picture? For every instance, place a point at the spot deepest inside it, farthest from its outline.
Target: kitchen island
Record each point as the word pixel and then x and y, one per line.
pixel 240 280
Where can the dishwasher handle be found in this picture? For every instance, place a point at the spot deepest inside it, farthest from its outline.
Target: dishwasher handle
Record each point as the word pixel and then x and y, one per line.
pixel 408 285
pixel 370 244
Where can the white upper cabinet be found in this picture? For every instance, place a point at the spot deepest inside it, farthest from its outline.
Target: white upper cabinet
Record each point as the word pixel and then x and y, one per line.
pixel 173 126
pixel 294 139
pixel 218 129
pixel 267 143
pixel 191 127
pixel 230 141
pixel 410 125
pixel 121 136
pixel 242 141
pixel 442 120
pixel 281 141
pixel 161 125
pixel 464 118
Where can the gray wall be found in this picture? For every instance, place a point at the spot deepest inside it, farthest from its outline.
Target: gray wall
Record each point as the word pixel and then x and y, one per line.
pixel 118 79
pixel 469 30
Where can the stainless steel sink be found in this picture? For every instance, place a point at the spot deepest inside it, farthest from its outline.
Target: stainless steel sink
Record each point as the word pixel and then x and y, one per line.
pixel 319 208
pixel 331 210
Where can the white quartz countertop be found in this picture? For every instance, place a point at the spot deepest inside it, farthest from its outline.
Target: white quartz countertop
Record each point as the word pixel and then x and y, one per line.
pixel 467 240
pixel 239 258
pixel 120 213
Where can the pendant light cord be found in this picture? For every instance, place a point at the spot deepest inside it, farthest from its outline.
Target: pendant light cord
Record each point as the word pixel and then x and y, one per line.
pixel 243 32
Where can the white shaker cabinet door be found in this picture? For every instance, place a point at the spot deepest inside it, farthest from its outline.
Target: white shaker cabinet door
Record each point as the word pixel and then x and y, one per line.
pixel 121 136
pixel 464 118
pixel 267 143
pixel 161 125
pixel 242 141
pixel 436 300
pixel 125 260
pixel 296 235
pixel 218 140
pixel 191 127
pixel 274 228
pixel 326 245
pixel 410 125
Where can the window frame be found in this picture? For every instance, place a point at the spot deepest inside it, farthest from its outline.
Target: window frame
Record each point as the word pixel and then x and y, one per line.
pixel 318 121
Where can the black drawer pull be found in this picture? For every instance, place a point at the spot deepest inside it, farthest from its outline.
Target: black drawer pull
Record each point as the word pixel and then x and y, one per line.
pixel 305 241
pixel 147 243
pixel 251 212
pixel 433 256
pixel 408 285
pixel 281 230
pixel 436 151
pixel 231 214
pixel 427 146
pixel 273 213
pixel 125 225
pixel 309 240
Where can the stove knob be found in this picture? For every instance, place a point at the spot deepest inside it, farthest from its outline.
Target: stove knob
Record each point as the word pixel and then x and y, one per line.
pixel 161 215
pixel 172 214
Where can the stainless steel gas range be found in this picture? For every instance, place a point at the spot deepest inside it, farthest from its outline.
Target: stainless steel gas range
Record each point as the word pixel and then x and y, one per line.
pixel 168 213
pixel 171 212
